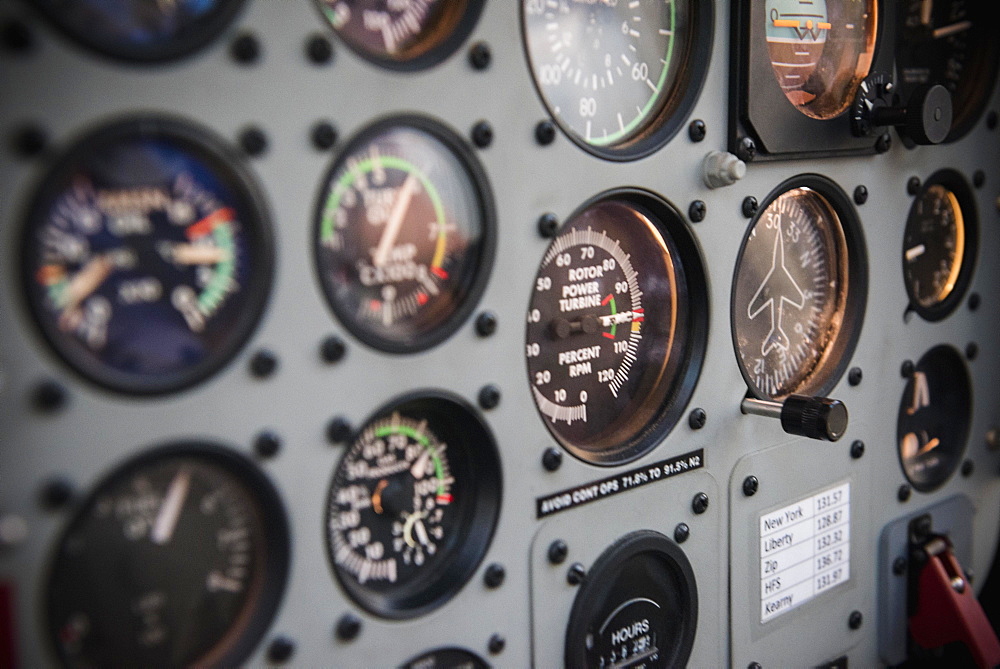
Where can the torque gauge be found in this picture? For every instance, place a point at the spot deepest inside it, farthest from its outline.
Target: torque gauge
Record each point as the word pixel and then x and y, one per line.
pixel 404 234
pixel 616 327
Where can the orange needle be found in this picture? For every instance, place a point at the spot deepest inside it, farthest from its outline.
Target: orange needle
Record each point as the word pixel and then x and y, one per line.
pixel 786 23
pixel 930 445
pixel 377 496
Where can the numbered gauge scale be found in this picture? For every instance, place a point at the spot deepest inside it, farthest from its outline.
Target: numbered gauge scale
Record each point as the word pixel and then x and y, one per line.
pixel 412 505
pixel 799 290
pixel 616 327
pixel 619 78
pixel 402 34
pixel 147 255
pixel 178 558
pixel 404 234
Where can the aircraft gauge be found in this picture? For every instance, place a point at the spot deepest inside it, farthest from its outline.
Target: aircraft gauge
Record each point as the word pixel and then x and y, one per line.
pixel 147 255
pixel 619 78
pixel 935 413
pixel 616 327
pixel 178 558
pixel 413 505
pixel 404 235
pixel 799 290
pixel 402 34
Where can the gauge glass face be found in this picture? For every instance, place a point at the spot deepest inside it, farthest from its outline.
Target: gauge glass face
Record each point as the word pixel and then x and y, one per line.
pixel 790 294
pixel 147 257
pixel 934 418
pixel 412 506
pixel 933 246
pixel 609 331
pixel 403 237
pixel 447 658
pixel 144 30
pixel 952 43
pixel 638 607
pixel 175 560
pixel 397 31
pixel 607 70
pixel 821 50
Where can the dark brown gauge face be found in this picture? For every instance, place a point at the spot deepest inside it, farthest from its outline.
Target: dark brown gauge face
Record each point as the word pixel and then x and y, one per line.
pixel 939 245
pixel 611 331
pixel 820 51
pixel 637 608
pixel 402 33
pixel 412 506
pixel 791 294
pixel 934 416
pixel 952 43
pixel 178 559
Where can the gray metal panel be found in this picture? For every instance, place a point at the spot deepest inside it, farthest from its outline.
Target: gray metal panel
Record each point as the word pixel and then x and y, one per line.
pixel 66 90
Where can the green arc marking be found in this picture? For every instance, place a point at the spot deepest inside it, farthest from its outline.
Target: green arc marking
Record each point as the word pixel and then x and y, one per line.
pixel 421 439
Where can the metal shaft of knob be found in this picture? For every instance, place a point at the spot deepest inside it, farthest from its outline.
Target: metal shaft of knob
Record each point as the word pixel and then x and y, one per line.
pixel 813 417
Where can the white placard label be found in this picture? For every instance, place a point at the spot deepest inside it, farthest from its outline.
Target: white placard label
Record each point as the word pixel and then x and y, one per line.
pixel 805 550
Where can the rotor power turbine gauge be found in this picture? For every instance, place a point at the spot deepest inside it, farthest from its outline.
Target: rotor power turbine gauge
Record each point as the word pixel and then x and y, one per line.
pixel 618 77
pixel 616 327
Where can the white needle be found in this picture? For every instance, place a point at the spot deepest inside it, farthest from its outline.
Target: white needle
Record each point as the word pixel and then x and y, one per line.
pixel 953 29
pixel 421 532
pixel 926 10
pixel 915 252
pixel 395 221
pixel 190 254
pixel 170 508
pixel 87 280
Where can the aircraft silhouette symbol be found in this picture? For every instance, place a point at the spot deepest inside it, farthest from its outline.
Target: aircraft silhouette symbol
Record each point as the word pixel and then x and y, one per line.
pixel 778 286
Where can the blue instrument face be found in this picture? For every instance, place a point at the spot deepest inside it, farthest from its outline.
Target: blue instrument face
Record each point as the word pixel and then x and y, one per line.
pixel 141 30
pixel 146 258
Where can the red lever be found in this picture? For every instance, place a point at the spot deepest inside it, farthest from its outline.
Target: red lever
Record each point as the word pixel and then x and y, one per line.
pixel 947 609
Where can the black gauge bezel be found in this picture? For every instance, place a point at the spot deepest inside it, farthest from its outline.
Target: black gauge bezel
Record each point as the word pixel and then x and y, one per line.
pixel 230 168
pixel 478 467
pixel 195 37
pixel 672 225
pixel 956 183
pixel 985 69
pixel 759 110
pixel 476 175
pixel 597 588
pixel 675 109
pixel 433 56
pixel 839 351
pixel 444 658
pixel 276 540
pixel 962 383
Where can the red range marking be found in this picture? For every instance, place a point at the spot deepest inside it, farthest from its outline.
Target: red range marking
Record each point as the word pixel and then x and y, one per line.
pixel 446 498
pixel 49 274
pixel 207 224
pixel 439 273
pixel 608 335
pixel 638 315
pixel 607 299
pixel 374 305
pixel 422 299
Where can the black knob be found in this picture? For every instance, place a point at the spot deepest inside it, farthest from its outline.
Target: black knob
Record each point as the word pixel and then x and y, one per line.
pixel 814 417
pixel 926 118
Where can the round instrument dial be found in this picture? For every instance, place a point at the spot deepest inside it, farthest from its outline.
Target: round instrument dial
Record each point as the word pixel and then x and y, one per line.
pixel 412 506
pixel 618 77
pixel 952 43
pixel 797 291
pixel 939 245
pixel 447 658
pixel 821 50
pixel 179 558
pixel 141 30
pixel 404 237
pixel 638 607
pixel 402 34
pixel 616 327
pixel 935 413
pixel 147 256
